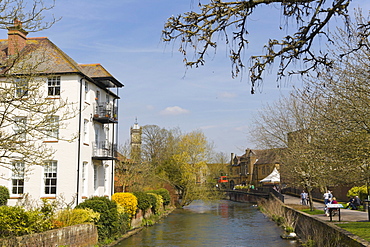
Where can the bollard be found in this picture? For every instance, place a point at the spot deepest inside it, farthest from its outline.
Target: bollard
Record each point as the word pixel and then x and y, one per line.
pixel 368 208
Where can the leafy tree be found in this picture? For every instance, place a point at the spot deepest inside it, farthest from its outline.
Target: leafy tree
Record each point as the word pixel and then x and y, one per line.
pixel 342 100
pixel 130 172
pixel 158 144
pixel 200 32
pixel 330 146
pixel 186 169
pixel 218 166
pixel 288 126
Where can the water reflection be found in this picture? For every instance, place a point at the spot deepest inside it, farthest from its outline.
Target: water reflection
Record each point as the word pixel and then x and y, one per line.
pixel 224 223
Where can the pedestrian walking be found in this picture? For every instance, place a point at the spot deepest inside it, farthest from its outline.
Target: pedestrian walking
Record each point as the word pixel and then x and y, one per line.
pixel 304 197
pixel 327 196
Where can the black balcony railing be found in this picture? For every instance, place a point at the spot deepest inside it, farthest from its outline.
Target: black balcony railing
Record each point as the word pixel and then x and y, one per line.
pixel 104 151
pixel 105 113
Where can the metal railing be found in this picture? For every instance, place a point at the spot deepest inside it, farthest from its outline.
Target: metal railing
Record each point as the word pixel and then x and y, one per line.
pixel 105 111
pixel 104 150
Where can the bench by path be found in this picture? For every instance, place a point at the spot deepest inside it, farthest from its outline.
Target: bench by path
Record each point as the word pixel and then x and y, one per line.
pixel 346 214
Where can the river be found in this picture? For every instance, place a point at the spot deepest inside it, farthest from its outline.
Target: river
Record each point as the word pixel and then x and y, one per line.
pixel 218 224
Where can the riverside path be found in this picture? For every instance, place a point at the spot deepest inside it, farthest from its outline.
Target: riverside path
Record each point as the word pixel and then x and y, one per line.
pixel 345 214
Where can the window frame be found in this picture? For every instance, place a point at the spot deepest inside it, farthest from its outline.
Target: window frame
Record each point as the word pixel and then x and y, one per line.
pixel 84 177
pixel 86 91
pixel 86 131
pixel 54 86
pixel 21 87
pixel 53 127
pixel 17 179
pixel 20 127
pixel 50 176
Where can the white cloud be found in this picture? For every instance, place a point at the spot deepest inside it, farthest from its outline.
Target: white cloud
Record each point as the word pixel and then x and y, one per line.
pixel 174 110
pixel 227 95
pixel 150 107
pixel 208 127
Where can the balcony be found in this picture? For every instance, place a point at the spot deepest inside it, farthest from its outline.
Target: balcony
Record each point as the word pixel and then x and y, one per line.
pixel 105 113
pixel 104 151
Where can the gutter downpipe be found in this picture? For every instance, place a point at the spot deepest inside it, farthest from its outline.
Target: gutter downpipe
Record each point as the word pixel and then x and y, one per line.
pixel 79 144
pixel 115 136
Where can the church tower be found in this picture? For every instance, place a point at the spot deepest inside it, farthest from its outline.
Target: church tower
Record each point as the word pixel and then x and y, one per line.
pixel 135 144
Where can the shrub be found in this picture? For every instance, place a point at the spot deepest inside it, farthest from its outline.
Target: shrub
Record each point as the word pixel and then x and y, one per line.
pixel 143 200
pixel 108 224
pixel 241 187
pixel 124 222
pixel 128 201
pixel 158 202
pixel 165 195
pixel 358 191
pixel 152 199
pixel 70 217
pixel 4 195
pixel 15 221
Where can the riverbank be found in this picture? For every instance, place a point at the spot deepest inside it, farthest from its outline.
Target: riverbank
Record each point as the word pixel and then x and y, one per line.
pixel 134 231
pixel 320 230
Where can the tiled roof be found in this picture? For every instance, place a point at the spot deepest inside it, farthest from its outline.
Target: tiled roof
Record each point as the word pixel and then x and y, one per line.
pixel 268 156
pixel 46 58
pixel 94 70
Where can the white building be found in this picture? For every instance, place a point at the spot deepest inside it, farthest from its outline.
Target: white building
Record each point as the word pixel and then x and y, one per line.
pixel 84 166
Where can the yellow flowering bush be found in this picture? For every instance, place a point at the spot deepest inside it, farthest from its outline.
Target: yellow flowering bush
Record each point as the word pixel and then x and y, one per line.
pixel 70 217
pixel 127 200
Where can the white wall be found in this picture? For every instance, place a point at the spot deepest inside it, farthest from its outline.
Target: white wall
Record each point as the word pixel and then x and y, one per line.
pixel 67 151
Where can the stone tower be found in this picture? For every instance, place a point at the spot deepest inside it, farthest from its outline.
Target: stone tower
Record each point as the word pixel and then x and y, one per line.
pixel 135 144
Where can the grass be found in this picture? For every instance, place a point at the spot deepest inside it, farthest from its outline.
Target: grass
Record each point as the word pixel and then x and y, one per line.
pixel 315 211
pixel 360 229
pixel 306 209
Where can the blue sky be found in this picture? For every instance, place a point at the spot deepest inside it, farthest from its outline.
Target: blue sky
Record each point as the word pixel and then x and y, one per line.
pixel 125 37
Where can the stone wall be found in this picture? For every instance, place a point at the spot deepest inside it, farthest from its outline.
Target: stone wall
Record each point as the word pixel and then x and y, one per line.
pixel 136 222
pixel 73 236
pixel 243 196
pixel 308 228
pixel 323 233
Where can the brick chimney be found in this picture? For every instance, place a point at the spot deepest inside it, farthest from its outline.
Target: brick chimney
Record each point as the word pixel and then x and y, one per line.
pixel 17 38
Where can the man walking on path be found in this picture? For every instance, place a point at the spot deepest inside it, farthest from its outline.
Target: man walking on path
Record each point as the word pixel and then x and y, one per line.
pixel 304 198
pixel 327 197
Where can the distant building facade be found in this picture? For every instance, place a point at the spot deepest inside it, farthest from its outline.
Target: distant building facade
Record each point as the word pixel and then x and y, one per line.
pixel 251 167
pixel 135 141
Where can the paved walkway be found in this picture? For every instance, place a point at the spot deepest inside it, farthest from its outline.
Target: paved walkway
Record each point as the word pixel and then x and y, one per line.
pixel 345 214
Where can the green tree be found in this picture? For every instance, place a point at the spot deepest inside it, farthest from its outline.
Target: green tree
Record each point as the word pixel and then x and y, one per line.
pixel 288 126
pixel 186 170
pixel 329 144
pixel 343 106
pixel 217 166
pixel 200 32
pixel 158 144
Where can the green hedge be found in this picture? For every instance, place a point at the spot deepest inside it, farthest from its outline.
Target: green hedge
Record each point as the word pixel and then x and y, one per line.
pixel 4 195
pixel 108 224
pixel 143 200
pixel 165 195
pixel 16 221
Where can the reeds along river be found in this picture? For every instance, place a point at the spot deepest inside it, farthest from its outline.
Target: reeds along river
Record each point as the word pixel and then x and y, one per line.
pixel 222 223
